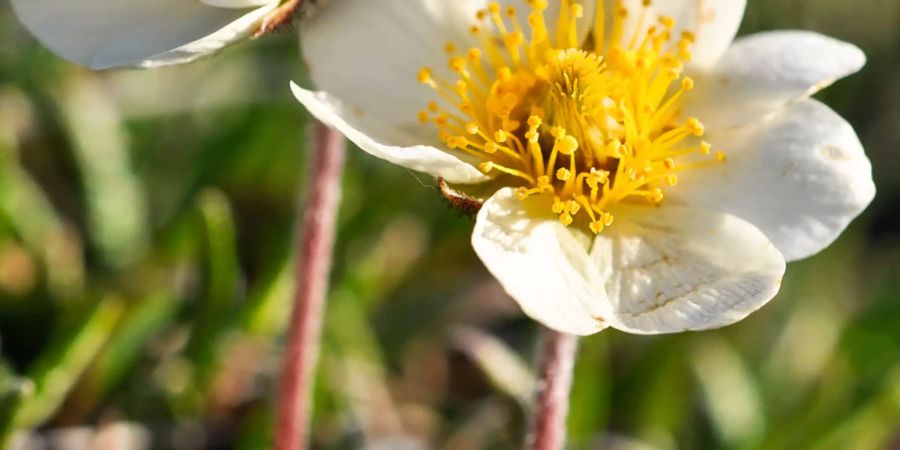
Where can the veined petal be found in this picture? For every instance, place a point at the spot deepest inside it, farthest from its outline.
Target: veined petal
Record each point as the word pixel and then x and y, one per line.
pixel 764 72
pixel 713 22
pixel 541 264
pixel 800 177
pixel 102 34
pixel 671 269
pixel 387 142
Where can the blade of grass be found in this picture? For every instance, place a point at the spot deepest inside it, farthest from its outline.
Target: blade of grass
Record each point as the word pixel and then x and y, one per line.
pixel 60 366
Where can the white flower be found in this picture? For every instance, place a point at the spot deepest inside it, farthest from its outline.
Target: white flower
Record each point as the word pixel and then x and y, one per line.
pixel 647 173
pixel 102 34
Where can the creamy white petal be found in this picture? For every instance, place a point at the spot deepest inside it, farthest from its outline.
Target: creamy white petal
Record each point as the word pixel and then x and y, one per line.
pixel 671 269
pixel 367 53
pixel 369 133
pixel 541 264
pixel 800 177
pixel 763 72
pixel 146 33
pixel 713 22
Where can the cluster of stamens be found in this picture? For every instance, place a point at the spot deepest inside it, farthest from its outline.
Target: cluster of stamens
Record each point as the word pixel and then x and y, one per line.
pixel 588 124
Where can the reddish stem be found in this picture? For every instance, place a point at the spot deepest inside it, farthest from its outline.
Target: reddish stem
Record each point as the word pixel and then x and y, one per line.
pixel 556 359
pixel 313 266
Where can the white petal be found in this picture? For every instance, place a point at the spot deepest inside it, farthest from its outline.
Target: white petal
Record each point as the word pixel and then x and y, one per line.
pixel 673 269
pixel 387 142
pixel 368 53
pixel 713 22
pixel 144 33
pixel 800 177
pixel 540 263
pixel 763 72
pixel 373 66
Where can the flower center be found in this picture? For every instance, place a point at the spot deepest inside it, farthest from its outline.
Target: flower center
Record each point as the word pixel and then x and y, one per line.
pixel 589 125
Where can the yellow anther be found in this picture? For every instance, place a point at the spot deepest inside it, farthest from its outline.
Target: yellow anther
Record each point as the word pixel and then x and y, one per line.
pixel 462 88
pixel 458 142
pixel 667 21
pixel 543 182
pixel 424 76
pixel 458 64
pixel 538 5
pixel 695 127
pixel 568 145
pixel 557 206
pixel 577 10
pixel 589 127
pixel 504 74
pixel 522 193
pixel 608 219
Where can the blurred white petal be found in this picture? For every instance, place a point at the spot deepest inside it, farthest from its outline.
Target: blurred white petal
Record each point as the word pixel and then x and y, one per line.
pixel 102 34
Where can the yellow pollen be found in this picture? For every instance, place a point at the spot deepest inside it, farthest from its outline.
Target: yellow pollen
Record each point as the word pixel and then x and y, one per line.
pixel 588 125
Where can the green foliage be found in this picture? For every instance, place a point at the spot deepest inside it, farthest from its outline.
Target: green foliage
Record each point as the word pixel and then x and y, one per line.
pixel 147 224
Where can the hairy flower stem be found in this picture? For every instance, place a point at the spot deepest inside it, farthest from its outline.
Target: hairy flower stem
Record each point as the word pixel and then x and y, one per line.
pixel 281 16
pixel 556 360
pixel 313 266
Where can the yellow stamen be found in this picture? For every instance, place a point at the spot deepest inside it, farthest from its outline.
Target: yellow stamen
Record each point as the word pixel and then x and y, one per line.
pixel 589 127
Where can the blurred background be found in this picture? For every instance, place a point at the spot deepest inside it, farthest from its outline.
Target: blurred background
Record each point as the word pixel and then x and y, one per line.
pixel 146 229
